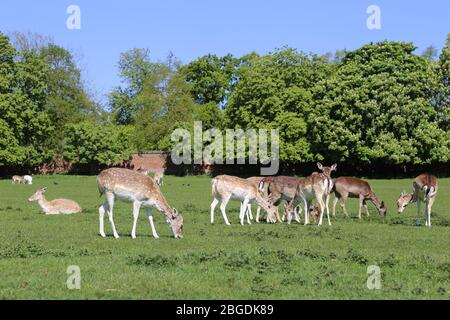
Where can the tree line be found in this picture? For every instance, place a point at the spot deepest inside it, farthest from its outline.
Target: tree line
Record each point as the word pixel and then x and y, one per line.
pixel 379 104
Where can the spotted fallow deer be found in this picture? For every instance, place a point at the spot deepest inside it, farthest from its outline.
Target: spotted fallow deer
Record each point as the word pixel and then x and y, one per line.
pixel 57 206
pixel 350 187
pixel 279 189
pixel 226 188
pixel 425 187
pixel 141 190
pixel 316 186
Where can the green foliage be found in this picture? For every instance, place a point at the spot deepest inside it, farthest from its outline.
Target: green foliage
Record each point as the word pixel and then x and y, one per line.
pixel 211 78
pixel 165 103
pixel 90 143
pixel 378 106
pixel 23 122
pixel 274 91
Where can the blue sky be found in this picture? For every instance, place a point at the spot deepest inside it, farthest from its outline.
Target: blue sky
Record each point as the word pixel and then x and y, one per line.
pixel 194 28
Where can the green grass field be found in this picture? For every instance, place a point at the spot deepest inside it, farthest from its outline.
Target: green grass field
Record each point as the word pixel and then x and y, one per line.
pixel 257 261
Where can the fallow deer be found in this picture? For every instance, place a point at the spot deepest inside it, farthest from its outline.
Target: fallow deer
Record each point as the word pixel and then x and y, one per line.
pixel 318 186
pixel 279 189
pixel 57 206
pixel 226 188
pixel 350 187
pixel 17 179
pixel 141 190
pixel 425 187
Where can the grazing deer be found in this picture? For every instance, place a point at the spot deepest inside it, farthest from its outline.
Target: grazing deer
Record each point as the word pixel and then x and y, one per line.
pixel 141 190
pixel 17 179
pixel 425 188
pixel 350 187
pixel 226 187
pixel 279 189
pixel 317 185
pixel 256 181
pixel 57 206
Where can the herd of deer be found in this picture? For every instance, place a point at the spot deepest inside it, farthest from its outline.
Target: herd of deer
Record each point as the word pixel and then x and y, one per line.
pixel 266 192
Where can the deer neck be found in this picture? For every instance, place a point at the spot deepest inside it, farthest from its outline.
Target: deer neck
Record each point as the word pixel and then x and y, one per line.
pixel 44 204
pixel 162 205
pixel 375 200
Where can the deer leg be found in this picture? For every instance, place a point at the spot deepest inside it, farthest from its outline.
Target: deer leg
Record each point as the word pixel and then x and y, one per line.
pixel 213 206
pixel 258 212
pixel 101 214
pixel 223 206
pixel 361 200
pixel 243 210
pixel 136 207
pixel 327 204
pixel 305 202
pixel 297 212
pixel 365 207
pixel 322 209
pixel 152 225
pixel 335 201
pixel 342 201
pixel 249 215
pixel 110 199
pixel 429 206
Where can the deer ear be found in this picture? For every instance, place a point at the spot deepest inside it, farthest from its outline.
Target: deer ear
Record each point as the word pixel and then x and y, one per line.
pixel 403 193
pixel 44 189
pixel 319 165
pixel 333 167
pixel 175 211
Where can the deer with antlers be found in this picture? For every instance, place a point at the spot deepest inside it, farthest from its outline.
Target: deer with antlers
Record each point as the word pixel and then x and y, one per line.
pixel 141 190
pixel 226 188
pixel 350 187
pixel 425 187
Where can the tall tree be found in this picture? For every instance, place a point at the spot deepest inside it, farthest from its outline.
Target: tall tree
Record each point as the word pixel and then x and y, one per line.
pixel 378 107
pixel 24 124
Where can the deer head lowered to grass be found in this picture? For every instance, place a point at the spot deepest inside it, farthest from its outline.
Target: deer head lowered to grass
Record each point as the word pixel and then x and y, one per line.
pixel 141 190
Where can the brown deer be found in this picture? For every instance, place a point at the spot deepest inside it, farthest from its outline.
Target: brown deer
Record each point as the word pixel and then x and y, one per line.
pixel 141 190
pixel 226 188
pixel 350 187
pixel 425 187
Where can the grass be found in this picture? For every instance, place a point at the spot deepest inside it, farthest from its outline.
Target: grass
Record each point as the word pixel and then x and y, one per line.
pixel 259 261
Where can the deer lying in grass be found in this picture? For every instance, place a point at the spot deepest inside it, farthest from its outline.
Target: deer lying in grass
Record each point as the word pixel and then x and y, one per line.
pixel 350 187
pixel 57 206
pixel 141 190
pixel 316 186
pixel 425 187
pixel 226 188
